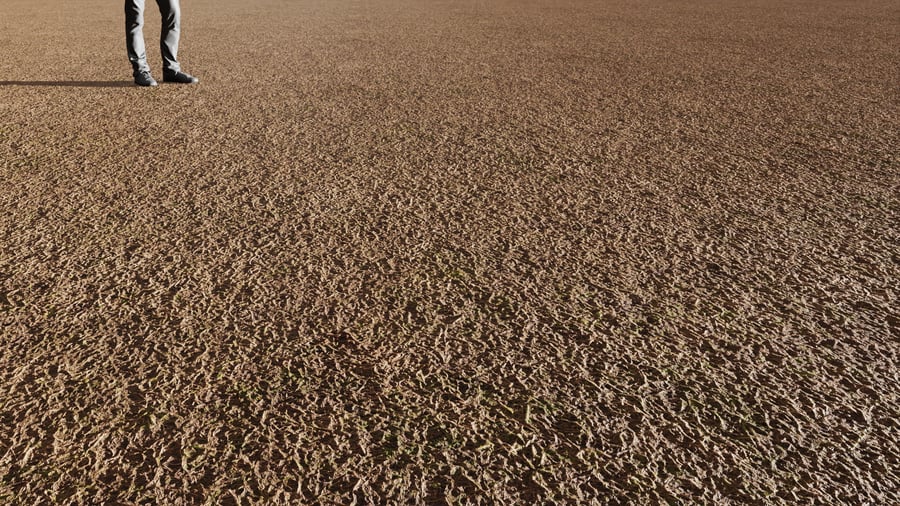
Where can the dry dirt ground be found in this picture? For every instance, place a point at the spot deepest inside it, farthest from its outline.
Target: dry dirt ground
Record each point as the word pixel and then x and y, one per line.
pixel 452 251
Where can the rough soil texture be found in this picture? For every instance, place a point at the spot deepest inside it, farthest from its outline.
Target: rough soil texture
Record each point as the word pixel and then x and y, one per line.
pixel 452 251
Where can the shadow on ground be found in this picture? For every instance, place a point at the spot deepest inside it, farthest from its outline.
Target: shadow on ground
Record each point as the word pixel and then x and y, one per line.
pixel 71 84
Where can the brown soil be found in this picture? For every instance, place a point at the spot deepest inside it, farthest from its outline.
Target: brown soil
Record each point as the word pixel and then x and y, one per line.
pixel 475 251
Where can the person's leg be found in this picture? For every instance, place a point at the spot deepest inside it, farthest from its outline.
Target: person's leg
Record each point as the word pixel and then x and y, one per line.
pixel 134 35
pixel 171 32
pixel 168 43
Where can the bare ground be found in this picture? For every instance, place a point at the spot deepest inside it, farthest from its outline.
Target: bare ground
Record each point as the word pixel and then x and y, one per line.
pixel 458 251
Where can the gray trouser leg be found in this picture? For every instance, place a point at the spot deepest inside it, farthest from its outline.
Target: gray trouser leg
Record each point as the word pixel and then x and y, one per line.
pixel 134 35
pixel 168 39
pixel 171 31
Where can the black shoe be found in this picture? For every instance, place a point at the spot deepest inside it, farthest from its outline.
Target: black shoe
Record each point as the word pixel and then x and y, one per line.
pixel 144 78
pixel 179 77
